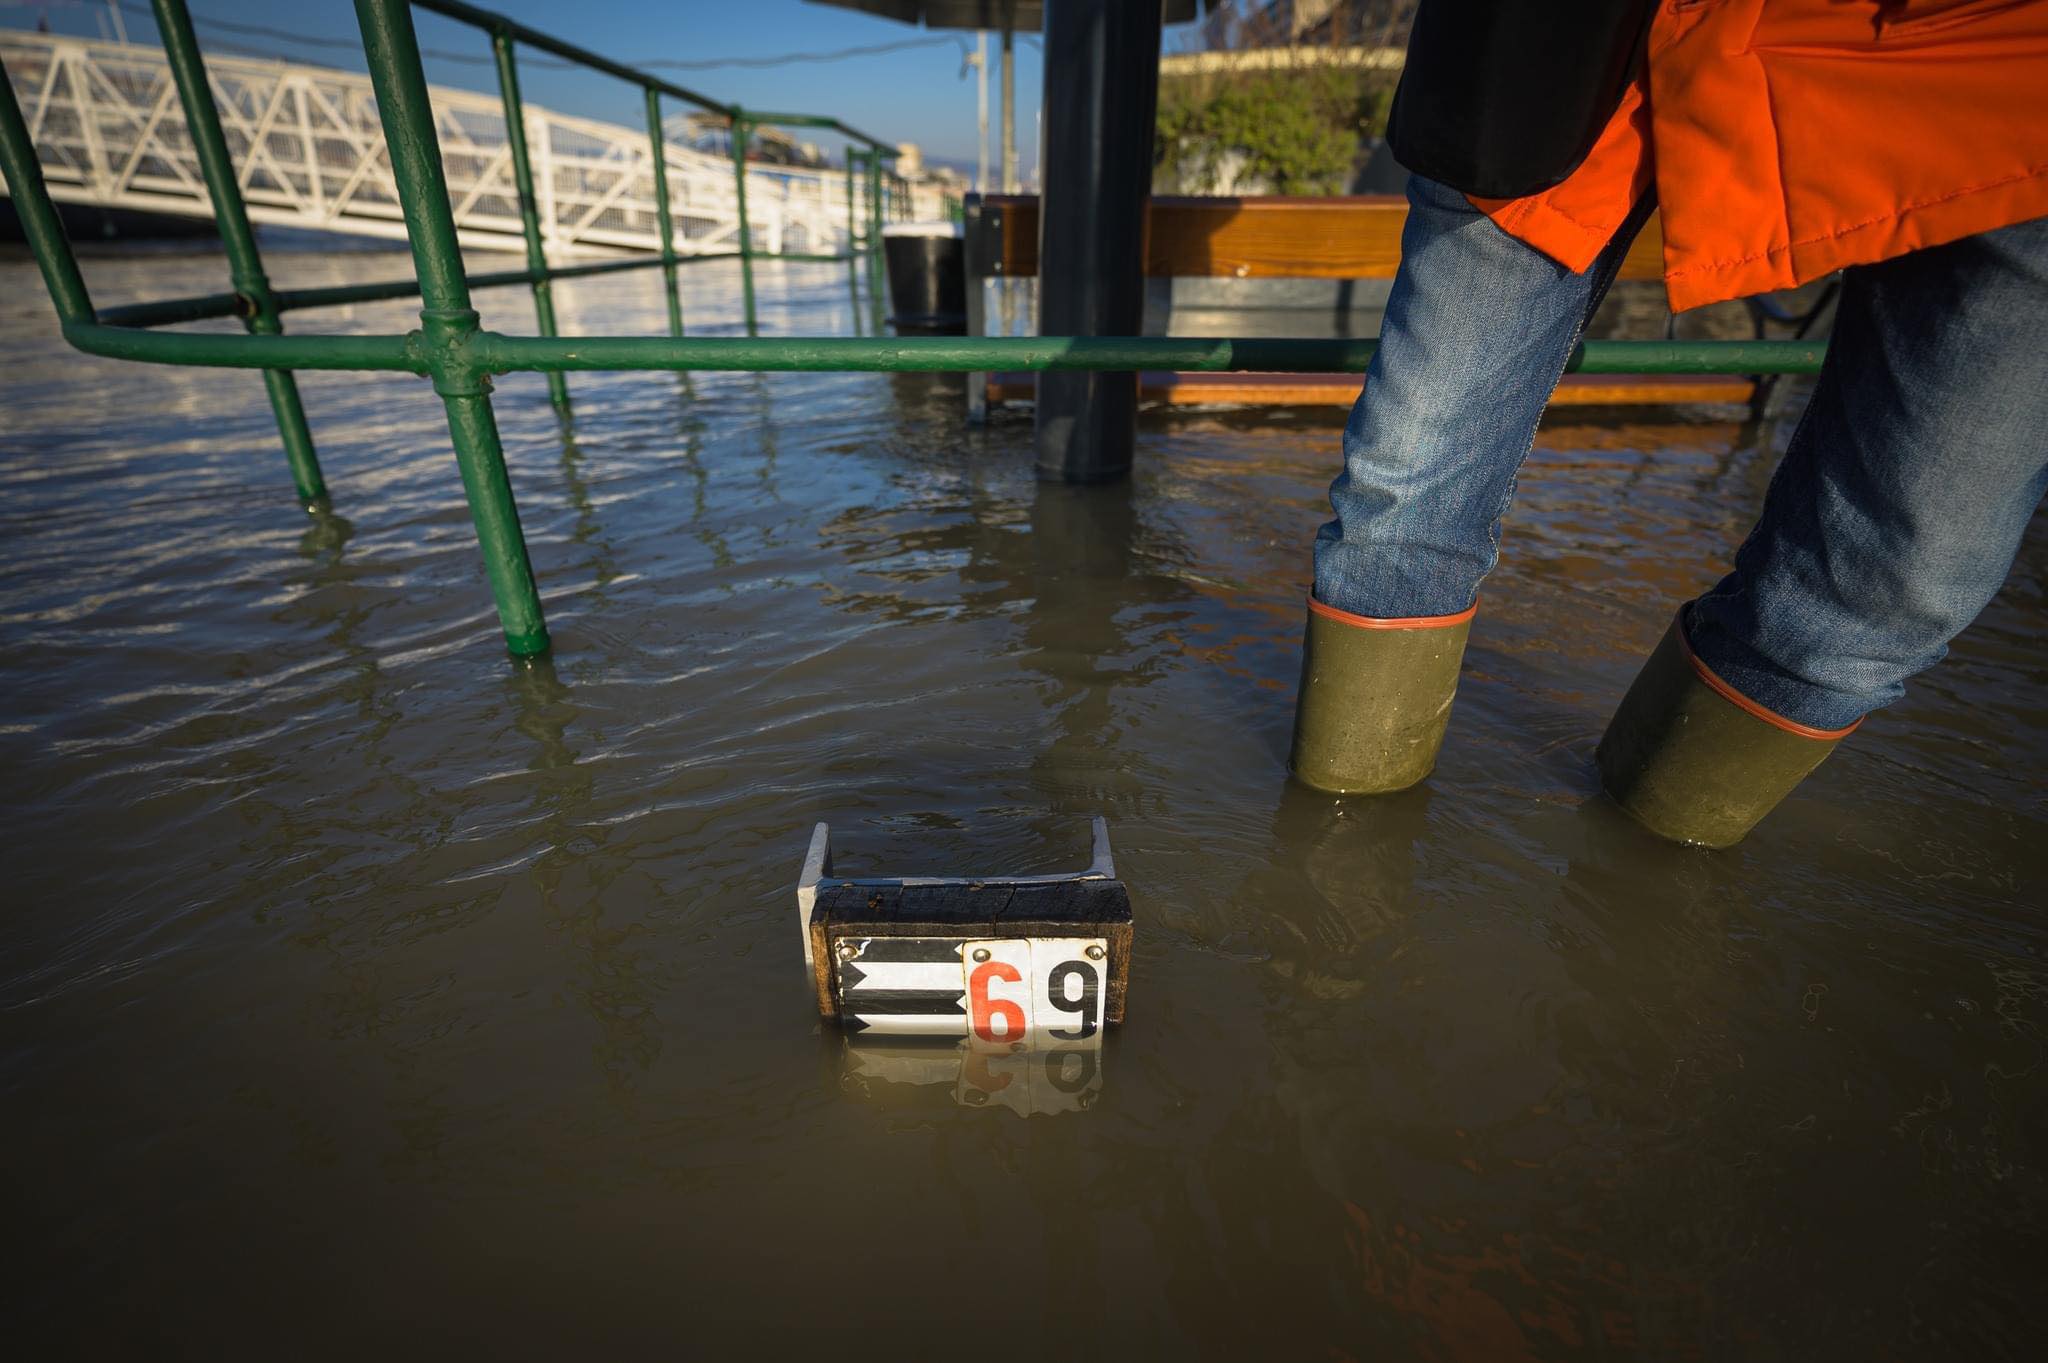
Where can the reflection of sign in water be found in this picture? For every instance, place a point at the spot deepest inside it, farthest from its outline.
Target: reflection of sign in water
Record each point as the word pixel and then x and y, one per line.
pixel 996 990
pixel 1032 1077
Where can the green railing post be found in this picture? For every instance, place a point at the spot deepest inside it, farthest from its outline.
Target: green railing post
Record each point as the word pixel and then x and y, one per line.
pixel 659 145
pixel 740 132
pixel 874 230
pixel 245 267
pixel 852 209
pixel 39 221
pixel 448 324
pixel 529 208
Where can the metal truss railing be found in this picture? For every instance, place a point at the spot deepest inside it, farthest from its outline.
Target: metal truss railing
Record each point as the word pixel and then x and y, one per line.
pixel 452 349
pixel 309 152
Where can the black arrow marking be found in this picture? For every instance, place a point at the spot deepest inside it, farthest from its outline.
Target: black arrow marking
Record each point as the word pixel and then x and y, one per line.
pixel 877 1003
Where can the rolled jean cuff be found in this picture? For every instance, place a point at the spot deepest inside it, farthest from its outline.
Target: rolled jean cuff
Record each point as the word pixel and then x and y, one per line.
pixel 1756 684
pixel 1390 586
pixel 1358 621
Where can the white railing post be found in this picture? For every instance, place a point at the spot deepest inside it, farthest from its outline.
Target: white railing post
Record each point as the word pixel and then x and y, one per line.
pixel 97 173
pixel 307 145
pixel 50 70
pixel 544 164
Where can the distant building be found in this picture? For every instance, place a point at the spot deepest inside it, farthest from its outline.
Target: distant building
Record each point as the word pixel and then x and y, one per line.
pixel 711 132
pixel 933 188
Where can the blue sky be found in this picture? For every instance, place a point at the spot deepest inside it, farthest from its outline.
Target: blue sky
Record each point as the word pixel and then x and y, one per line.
pixel 917 95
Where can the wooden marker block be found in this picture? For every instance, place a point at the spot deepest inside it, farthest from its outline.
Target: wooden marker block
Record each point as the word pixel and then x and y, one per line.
pixel 995 960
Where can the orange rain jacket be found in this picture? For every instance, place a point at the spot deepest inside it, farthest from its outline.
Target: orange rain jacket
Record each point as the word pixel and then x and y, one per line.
pixel 1789 138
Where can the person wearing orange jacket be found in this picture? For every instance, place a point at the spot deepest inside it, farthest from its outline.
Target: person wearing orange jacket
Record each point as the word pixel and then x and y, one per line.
pixel 1904 142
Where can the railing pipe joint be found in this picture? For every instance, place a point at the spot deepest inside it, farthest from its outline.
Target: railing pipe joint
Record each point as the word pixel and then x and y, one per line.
pixel 445 339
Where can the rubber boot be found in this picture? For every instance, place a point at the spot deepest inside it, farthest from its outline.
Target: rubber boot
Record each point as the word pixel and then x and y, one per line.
pixel 1375 697
pixel 1694 760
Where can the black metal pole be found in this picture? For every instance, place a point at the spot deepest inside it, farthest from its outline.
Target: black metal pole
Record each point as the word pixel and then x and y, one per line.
pixel 1101 97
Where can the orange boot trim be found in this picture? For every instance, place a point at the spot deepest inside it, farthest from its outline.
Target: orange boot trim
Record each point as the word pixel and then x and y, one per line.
pixel 1745 704
pixel 1391 622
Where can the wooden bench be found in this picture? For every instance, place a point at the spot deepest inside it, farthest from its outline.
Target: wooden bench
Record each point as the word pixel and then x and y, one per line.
pixel 1278 237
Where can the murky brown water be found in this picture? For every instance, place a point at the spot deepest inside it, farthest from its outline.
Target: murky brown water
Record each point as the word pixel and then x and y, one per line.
pixel 364 996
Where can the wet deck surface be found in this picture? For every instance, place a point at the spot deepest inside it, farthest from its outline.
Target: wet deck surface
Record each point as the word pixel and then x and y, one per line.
pixel 363 995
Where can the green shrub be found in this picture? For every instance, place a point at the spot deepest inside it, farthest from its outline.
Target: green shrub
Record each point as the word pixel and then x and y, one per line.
pixel 1297 131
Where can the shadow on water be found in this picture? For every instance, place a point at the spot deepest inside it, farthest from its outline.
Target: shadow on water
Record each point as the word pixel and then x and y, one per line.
pixel 575 868
pixel 589 530
pixel 342 597
pixel 1077 573
pixel 689 424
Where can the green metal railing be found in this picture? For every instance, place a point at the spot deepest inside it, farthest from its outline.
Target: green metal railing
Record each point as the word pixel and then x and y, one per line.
pixel 460 356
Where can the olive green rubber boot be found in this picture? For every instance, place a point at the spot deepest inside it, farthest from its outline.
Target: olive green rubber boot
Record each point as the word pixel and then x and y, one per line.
pixel 1692 760
pixel 1374 700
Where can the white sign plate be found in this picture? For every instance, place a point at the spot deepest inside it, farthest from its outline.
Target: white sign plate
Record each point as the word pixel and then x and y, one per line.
pixel 996 991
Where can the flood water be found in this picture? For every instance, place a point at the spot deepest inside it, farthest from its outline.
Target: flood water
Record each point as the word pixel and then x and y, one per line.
pixel 365 995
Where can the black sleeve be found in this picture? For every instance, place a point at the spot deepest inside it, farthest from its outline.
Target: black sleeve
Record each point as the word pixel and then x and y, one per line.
pixel 1502 98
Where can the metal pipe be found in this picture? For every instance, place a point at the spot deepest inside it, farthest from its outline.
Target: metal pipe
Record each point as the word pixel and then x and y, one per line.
pixel 39 221
pixel 213 350
pixel 853 290
pixel 292 300
pixel 981 113
pixel 761 120
pixel 739 174
pixel 1006 290
pixel 852 210
pixel 448 324
pixel 529 211
pixel 764 120
pixel 658 145
pixel 886 148
pixel 245 267
pixel 875 230
pixel 1009 99
pixel 492 22
pixel 174 310
pixel 500 354
pixel 492 352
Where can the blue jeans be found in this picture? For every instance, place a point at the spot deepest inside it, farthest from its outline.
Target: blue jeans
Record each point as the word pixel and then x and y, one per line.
pixel 1888 526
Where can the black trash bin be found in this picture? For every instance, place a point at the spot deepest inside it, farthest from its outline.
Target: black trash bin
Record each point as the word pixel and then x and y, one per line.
pixel 927 267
